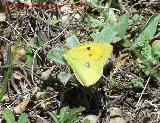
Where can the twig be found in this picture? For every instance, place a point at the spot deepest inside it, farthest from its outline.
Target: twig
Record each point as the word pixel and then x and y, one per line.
pixel 122 8
pixel 142 92
pixel 17 31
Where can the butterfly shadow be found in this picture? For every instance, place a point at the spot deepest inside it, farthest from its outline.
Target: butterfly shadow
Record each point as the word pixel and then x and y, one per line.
pixel 88 97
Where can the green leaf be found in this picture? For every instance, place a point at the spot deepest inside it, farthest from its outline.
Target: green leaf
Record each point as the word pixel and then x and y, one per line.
pixel 115 85
pixel 135 19
pixel 114 32
pixel 156 49
pixel 8 116
pixel 54 117
pixel 93 2
pixel 72 114
pixel 147 53
pixel 150 27
pixel 112 17
pixel 29 55
pixel 122 25
pixel 66 114
pixel 106 35
pixel 63 114
pixel 137 82
pixel 144 69
pixel 64 77
pixel 139 42
pixel 22 118
pixel 97 23
pixel 147 33
pixel 41 39
pixel 56 55
pixel 72 41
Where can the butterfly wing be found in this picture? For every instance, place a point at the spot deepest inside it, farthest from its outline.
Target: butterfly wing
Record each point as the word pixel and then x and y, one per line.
pixel 87 61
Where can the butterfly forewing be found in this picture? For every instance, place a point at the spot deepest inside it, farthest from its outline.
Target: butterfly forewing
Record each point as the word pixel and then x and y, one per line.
pixel 87 61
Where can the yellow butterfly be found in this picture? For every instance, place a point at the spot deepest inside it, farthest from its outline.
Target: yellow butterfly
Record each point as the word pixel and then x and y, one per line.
pixel 87 61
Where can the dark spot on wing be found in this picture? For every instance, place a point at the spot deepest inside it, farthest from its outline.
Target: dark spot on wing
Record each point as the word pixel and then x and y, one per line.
pixel 88 48
pixel 87 64
pixel 99 58
pixel 90 55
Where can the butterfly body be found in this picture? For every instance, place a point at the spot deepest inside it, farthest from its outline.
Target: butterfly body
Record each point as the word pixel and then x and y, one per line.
pixel 87 61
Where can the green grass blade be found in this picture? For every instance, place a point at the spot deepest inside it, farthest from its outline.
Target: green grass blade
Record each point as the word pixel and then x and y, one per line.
pixel 7 75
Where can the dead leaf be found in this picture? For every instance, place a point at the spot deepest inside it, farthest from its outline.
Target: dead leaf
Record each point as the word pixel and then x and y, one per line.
pixel 26 104
pixel 20 56
pixel 44 104
pixel 114 111
pixel 40 95
pixel 47 74
pixel 117 120
pixel 120 61
pixel 116 115
pixel 91 118
pixel 17 75
pixel 38 119
pixel 2 16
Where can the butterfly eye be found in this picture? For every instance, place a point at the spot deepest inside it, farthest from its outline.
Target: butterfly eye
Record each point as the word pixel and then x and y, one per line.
pixel 88 48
